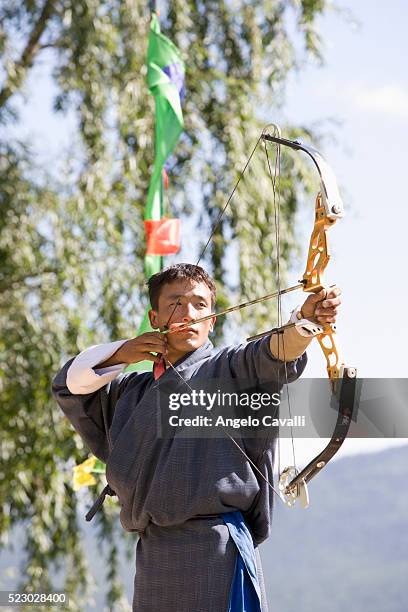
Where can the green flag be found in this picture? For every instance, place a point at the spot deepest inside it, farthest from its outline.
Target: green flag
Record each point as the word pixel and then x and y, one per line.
pixel 165 79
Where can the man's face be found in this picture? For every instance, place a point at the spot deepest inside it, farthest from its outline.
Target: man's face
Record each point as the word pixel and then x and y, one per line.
pixel 179 302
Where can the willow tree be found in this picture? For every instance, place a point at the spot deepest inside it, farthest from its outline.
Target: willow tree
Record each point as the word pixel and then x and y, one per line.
pixel 71 240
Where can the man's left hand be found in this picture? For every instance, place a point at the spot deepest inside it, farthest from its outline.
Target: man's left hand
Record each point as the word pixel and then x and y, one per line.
pixel 323 306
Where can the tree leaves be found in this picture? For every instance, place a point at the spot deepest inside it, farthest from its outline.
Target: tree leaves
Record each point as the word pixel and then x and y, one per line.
pixel 71 233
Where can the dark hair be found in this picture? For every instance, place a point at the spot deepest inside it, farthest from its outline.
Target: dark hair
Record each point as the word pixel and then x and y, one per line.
pixel 178 272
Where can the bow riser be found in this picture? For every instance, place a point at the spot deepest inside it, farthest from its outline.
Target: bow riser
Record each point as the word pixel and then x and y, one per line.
pixel 318 256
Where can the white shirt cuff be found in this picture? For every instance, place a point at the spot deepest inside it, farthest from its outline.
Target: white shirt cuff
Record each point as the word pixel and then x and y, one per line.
pixel 296 315
pixel 305 327
pixel 82 378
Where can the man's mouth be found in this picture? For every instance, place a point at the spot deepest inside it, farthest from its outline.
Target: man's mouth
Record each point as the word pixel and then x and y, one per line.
pixel 182 327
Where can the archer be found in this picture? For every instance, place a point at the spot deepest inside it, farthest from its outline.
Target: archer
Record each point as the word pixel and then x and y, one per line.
pixel 201 507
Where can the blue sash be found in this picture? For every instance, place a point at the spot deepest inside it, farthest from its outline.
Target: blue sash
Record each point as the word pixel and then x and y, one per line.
pixel 245 594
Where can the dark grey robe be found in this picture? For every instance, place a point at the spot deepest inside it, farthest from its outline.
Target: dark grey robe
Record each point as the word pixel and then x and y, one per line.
pixel 173 490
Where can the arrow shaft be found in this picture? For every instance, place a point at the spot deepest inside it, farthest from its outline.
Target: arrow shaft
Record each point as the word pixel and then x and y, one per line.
pixel 235 308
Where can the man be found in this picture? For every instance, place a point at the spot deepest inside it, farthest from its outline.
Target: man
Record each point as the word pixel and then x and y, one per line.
pixel 200 506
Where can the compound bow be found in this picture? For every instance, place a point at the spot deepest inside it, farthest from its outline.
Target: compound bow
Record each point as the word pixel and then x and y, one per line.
pixel 328 209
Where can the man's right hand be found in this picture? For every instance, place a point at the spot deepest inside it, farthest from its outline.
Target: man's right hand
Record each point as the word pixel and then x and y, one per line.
pixel 139 349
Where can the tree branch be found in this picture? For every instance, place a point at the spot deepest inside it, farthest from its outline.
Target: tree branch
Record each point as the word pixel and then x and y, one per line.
pixel 20 68
pixel 48 46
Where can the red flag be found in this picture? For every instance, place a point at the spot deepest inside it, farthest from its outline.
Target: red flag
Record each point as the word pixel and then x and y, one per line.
pixel 162 236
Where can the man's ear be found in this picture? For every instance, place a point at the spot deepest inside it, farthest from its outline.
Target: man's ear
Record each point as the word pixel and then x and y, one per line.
pixel 153 318
pixel 213 322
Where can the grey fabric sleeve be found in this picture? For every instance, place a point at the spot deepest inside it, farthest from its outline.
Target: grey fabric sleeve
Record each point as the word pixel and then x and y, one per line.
pixel 253 361
pixel 90 414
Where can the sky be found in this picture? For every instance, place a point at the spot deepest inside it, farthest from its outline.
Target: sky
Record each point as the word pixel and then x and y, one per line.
pixel 364 87
pixel 360 96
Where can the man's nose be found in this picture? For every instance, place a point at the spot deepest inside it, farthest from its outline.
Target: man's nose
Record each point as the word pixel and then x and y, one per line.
pixel 188 312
